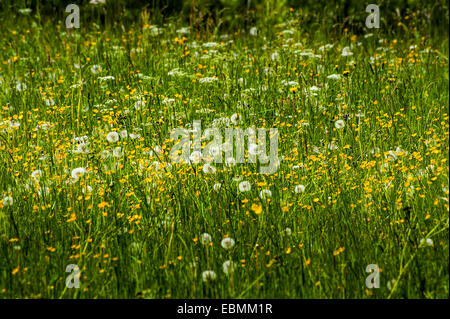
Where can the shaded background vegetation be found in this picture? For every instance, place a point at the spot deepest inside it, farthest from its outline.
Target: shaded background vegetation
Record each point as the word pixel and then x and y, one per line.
pixel 219 15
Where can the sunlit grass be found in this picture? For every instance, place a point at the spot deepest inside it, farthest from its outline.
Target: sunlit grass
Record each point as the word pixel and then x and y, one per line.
pixel 363 142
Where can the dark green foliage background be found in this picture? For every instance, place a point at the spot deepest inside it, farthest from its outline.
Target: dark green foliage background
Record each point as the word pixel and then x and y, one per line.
pixel 238 14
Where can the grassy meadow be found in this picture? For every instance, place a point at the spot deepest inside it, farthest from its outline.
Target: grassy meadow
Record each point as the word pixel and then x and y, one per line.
pixel 86 176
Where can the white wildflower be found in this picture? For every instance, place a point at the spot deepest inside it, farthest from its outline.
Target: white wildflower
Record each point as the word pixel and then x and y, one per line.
pixel 244 186
pixel 227 243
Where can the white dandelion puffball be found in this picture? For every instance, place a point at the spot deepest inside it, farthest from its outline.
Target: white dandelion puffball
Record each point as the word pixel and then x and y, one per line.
pixel 217 186
pixel 229 266
pixel 299 189
pixel 195 157
pixel 288 231
pixel 205 238
pixel 105 154
pixel 253 149
pixel 118 152
pixel 112 137
pixel 78 172
pixel 428 241
pixel 226 147
pixel 82 148
pixel 208 275
pixel 339 124
pixel 235 118
pixel 214 150
pixel 227 243
pixel 237 178
pixel 208 169
pixel 265 193
pixel 230 161
pixel 123 133
pixel 253 31
pixel 8 201
pixel 244 186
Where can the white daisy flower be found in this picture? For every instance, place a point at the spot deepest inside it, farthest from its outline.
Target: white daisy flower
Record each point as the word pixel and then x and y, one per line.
pixel 275 56
pixel 183 31
pixel 139 105
pixel 95 69
pixel 334 76
pixel 346 52
pixel 208 80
